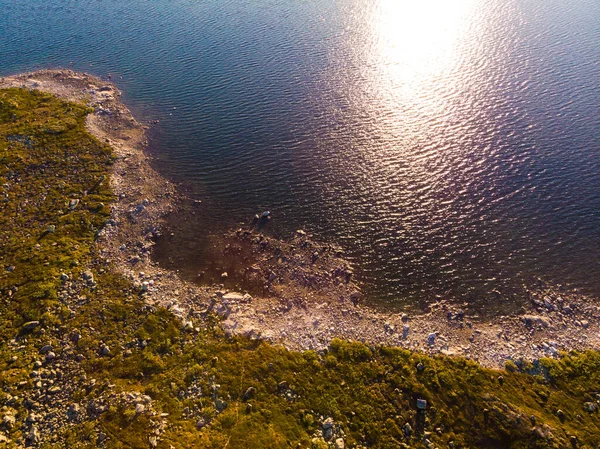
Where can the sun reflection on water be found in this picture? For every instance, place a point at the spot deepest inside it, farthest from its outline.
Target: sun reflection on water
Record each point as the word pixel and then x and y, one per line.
pixel 413 39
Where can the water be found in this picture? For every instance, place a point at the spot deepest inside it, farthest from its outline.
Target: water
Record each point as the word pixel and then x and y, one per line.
pixel 452 147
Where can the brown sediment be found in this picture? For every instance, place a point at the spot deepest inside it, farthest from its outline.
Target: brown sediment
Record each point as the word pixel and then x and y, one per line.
pixel 303 294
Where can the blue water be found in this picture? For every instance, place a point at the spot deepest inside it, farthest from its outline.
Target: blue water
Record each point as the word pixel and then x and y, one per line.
pixel 452 148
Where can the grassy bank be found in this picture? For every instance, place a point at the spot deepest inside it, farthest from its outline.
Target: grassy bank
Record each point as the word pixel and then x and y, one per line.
pixel 95 366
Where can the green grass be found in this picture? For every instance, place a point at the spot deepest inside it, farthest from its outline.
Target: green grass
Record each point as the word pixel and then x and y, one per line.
pixel 47 159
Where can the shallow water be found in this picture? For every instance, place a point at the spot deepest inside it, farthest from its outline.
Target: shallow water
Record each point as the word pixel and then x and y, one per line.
pixel 452 147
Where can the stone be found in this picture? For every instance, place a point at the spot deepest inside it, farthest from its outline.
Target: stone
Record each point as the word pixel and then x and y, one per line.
pixel 31 325
pixel 73 412
pixel 104 350
pixel 590 407
pixel 45 349
pixel 339 443
pixel 233 297
pixel 407 429
pixel 101 438
pixel 249 394
pixel 139 409
pixel 8 422
pixel 33 437
pixel 421 404
pixel 405 331
pixel 535 320
pixel 50 356
pixel 200 423
pixel 88 276
pixel 431 339
pixel 50 229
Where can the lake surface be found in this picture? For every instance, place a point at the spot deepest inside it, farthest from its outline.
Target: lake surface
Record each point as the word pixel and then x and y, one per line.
pixel 451 147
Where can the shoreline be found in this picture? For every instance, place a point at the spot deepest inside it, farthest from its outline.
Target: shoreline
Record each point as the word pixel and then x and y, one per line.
pixel 308 300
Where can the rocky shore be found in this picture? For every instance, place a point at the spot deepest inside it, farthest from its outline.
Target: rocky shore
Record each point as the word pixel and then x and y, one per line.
pixel 302 294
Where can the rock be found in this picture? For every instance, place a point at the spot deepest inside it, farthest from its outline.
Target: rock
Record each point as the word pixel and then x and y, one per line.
pixel 407 429
pixel 590 407
pixel 339 443
pixel 535 320
pixel 354 298
pixel 50 229
pixel 8 422
pixel 233 297
pixel 73 412
pixel 54 390
pixel 431 339
pixel 33 437
pixel 104 350
pixel 421 404
pixel 585 324
pixel 50 356
pixel 200 423
pixel 249 394
pixel 139 409
pixel 101 438
pixel 405 331
pixel 73 204
pixel 224 275
pixel 31 325
pixel 420 367
pixel 327 428
pixel 64 277
pixel 88 276
pixel 45 349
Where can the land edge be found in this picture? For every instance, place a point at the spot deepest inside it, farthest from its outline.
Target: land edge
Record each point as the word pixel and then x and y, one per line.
pixel 558 321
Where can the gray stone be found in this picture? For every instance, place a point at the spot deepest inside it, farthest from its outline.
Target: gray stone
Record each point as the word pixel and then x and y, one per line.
pixel 339 443
pixel 535 320
pixel 45 349
pixel 200 423
pixel 431 339
pixel 590 407
pixel 233 297
pixel 249 394
pixel 31 325
pixel 139 409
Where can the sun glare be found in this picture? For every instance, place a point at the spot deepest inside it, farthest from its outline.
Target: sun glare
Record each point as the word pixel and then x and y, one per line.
pixel 418 38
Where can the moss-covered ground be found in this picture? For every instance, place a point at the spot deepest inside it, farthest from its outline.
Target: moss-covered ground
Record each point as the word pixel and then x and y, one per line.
pixel 54 197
